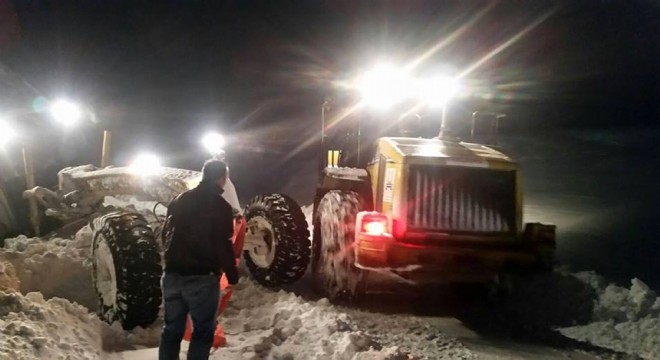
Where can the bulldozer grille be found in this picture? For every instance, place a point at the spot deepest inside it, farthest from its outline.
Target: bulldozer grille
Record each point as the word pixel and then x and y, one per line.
pixel 459 199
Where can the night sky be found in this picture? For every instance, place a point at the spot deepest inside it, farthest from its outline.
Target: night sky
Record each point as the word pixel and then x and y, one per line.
pixel 159 73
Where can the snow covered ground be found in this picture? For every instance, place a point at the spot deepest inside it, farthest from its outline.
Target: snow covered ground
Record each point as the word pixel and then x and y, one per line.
pixel 47 305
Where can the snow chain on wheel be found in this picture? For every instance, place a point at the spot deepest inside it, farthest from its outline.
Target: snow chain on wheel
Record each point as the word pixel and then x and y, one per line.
pixel 333 258
pixel 126 269
pixel 277 246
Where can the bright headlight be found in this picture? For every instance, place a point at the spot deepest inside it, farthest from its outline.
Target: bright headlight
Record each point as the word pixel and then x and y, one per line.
pixel 214 143
pixel 146 164
pixel 384 86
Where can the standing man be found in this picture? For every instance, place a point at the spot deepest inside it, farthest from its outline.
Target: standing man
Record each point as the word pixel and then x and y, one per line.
pixel 198 249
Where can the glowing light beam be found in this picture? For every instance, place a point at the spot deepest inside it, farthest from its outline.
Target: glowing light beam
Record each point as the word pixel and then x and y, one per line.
pixel 509 42
pixel 449 39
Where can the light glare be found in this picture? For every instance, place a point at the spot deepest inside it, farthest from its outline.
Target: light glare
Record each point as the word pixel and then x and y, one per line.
pixel 438 90
pixel 146 164
pixel 7 133
pixel 214 143
pixel 65 112
pixel 374 228
pixel 384 86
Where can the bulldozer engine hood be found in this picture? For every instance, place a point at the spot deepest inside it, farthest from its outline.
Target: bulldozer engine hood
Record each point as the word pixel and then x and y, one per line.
pixel 442 152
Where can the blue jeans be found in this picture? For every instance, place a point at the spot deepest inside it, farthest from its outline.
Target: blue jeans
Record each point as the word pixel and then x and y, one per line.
pixel 194 294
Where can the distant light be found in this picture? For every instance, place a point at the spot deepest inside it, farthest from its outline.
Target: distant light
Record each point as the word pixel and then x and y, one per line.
pixel 146 164
pixel 384 86
pixel 7 133
pixel 65 112
pixel 438 90
pixel 214 143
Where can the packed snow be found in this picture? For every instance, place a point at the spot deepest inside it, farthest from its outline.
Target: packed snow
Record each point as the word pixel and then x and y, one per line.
pixel 56 268
pixel 47 307
pixel 624 319
pixel 35 328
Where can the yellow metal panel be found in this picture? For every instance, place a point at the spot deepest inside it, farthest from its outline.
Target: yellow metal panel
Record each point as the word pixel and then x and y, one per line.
pixel 333 158
pixel 390 186
pixel 401 189
pixel 388 149
pixel 403 152
pixel 438 152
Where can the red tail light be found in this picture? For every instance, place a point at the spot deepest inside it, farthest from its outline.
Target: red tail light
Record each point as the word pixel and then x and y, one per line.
pixel 374 227
pixel 373 223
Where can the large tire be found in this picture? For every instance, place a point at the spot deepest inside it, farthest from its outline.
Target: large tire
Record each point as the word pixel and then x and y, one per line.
pixel 333 255
pixel 280 222
pixel 126 269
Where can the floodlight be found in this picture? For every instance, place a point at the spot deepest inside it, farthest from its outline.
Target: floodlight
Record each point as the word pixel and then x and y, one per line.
pixel 65 112
pixel 214 143
pixel 7 133
pixel 384 86
pixel 146 164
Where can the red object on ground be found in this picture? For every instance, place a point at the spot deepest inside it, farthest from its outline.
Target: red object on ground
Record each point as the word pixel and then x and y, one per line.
pixel 219 339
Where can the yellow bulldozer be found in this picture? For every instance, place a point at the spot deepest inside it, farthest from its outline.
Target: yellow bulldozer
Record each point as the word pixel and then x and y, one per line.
pixel 421 209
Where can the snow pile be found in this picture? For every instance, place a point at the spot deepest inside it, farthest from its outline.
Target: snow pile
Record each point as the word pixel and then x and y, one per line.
pixel 130 202
pixel 56 267
pixel 8 279
pixel 422 340
pixel 626 320
pixel 33 328
pixel 263 324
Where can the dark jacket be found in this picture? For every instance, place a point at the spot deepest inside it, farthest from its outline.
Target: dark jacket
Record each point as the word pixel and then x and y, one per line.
pixel 201 238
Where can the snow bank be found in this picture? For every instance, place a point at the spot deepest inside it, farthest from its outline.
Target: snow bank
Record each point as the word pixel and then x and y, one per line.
pixel 56 267
pixel 59 267
pixel 411 335
pixel 626 320
pixel 8 279
pixel 263 324
pixel 580 306
pixel 33 328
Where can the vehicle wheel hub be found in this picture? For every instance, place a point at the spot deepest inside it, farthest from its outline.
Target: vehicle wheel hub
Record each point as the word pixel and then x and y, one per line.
pixel 260 241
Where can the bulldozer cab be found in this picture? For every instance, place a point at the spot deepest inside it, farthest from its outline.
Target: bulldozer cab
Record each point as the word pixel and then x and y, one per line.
pixel 341 142
pixel 484 127
pixel 349 134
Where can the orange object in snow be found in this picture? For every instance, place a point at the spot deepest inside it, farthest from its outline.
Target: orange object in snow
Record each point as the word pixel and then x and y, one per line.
pixel 219 339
